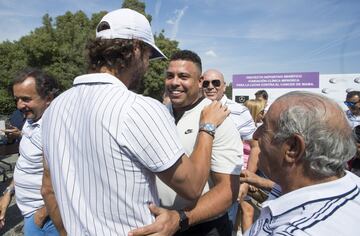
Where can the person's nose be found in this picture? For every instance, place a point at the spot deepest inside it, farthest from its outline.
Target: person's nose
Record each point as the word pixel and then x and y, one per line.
pixel 211 86
pixel 20 104
pixel 175 81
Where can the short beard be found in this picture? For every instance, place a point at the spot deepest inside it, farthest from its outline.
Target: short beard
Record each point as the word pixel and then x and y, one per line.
pixel 136 83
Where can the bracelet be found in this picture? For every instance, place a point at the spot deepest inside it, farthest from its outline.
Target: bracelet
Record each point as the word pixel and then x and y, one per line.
pixel 10 190
pixel 208 132
pixel 208 128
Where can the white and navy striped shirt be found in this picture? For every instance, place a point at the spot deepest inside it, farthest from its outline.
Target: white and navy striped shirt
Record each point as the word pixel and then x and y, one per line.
pixel 353 120
pixel 242 118
pixel 102 143
pixel 330 208
pixel 29 169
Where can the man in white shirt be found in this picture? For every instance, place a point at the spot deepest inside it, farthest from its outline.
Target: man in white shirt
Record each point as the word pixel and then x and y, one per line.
pixel 305 141
pixel 104 144
pixel 206 216
pixel 214 87
pixel 33 91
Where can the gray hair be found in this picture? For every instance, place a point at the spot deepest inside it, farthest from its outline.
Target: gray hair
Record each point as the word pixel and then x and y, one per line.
pixel 327 147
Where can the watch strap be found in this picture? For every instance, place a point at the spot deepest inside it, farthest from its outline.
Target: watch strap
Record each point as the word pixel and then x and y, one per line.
pixel 208 128
pixel 183 221
pixel 10 190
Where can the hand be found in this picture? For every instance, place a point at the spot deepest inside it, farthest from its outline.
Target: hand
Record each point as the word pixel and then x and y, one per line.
pixel 215 113
pixel 12 133
pixel 40 216
pixel 4 203
pixel 253 179
pixel 166 223
pixel 243 190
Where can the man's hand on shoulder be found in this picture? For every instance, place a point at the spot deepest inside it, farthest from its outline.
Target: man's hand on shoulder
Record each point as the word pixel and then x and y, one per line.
pixel 214 113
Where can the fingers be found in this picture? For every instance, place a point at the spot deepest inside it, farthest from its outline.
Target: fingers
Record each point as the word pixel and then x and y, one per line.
pixel 154 209
pixel 2 218
pixel 2 223
pixel 146 230
pixel 152 228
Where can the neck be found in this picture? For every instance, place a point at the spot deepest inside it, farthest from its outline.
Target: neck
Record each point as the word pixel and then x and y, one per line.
pixel 299 180
pixel 123 77
pixel 188 107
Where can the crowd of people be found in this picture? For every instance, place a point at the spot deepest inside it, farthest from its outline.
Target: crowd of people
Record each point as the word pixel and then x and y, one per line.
pixel 99 159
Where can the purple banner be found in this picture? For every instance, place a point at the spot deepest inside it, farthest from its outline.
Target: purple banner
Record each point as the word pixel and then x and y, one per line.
pixel 277 80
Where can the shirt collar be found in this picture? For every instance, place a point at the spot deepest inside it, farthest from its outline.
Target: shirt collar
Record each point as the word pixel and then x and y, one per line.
pixel 351 115
pixel 177 115
pixel 30 123
pixel 311 193
pixel 97 78
pixel 223 99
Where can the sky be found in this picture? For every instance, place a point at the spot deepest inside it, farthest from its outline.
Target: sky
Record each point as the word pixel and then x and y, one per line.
pixel 233 36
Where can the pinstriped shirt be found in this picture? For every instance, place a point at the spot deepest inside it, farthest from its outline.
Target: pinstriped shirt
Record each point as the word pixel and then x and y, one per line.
pixel 353 120
pixel 103 144
pixel 29 169
pixel 330 208
pixel 242 118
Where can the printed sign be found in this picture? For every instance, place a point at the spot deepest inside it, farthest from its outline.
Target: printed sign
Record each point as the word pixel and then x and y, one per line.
pixel 277 80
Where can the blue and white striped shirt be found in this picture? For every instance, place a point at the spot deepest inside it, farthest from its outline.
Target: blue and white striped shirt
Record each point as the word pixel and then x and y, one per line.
pixel 242 118
pixel 330 208
pixel 353 120
pixel 102 144
pixel 29 169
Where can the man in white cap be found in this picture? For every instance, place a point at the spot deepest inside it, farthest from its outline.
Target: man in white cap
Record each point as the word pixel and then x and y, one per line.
pixel 103 144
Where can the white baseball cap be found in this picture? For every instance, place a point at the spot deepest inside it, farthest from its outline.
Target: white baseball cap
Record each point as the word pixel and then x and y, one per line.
pixel 128 24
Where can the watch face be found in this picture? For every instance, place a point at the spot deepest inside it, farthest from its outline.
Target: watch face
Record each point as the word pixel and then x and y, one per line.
pixel 209 127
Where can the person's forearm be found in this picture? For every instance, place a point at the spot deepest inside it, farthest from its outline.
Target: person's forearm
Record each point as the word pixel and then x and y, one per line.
pixel 53 211
pixel 189 175
pixel 200 159
pixel 254 156
pixel 51 204
pixel 215 202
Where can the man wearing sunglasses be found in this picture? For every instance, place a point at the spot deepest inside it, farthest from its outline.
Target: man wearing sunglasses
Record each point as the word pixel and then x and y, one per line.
pixel 353 103
pixel 214 88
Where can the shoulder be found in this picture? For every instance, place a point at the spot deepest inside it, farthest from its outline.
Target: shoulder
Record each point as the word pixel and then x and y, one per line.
pixel 147 110
pixel 148 104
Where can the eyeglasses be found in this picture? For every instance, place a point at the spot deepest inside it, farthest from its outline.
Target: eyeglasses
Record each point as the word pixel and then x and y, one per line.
pixel 351 104
pixel 215 83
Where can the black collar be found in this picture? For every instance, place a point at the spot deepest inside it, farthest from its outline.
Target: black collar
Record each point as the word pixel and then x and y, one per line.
pixel 180 111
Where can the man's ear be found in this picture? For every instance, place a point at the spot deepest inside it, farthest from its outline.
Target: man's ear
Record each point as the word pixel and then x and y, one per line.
pixel 201 79
pixel 136 46
pixel 295 148
pixel 49 99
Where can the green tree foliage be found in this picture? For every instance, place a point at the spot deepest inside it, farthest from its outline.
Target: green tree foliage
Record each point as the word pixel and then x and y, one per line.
pixel 136 6
pixel 58 47
pixel 228 90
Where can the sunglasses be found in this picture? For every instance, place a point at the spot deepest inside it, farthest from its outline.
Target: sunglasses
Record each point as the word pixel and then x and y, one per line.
pixel 215 83
pixel 350 104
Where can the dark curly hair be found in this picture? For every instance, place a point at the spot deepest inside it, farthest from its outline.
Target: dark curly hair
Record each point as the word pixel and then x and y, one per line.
pixel 45 84
pixel 352 94
pixel 112 53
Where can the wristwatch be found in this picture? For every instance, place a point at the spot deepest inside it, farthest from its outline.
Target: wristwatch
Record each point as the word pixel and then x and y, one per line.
pixel 10 190
pixel 208 128
pixel 184 221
